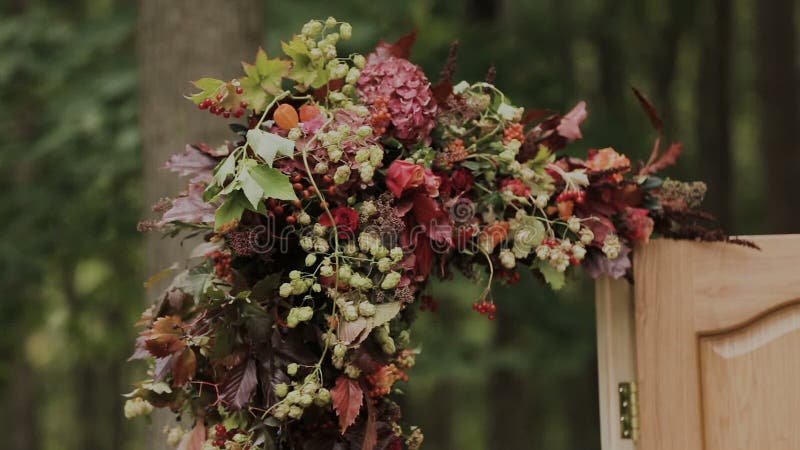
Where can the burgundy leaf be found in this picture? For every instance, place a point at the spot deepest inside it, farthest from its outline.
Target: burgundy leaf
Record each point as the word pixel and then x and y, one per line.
pixel 667 159
pixel 370 429
pixel 190 208
pixel 192 162
pixel 400 49
pixel 648 107
pixel 184 367
pixel 240 385
pixel 347 399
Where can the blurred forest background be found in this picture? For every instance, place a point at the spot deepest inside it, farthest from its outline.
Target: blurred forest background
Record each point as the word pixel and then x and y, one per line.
pixel 91 106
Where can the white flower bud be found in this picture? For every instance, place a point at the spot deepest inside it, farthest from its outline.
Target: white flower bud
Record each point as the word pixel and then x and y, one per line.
pixel 574 224
pixel 342 174
pixel 391 280
pixel 285 290
pixel 303 218
pixel 366 309
pixel 321 168
pixel 346 30
pixel 541 200
pixel 311 259
pixel 359 61
pixel 507 259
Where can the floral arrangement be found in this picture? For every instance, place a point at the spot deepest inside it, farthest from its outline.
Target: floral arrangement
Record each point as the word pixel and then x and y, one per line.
pixel 347 183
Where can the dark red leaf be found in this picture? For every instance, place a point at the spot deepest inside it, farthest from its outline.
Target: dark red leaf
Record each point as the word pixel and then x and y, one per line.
pixel 648 107
pixel 240 385
pixel 370 429
pixel 400 49
pixel 184 366
pixel 667 159
pixel 347 398
pixel 442 90
pixel 532 115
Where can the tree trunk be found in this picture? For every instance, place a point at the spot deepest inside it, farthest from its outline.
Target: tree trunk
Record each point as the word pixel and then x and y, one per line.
pixel 778 91
pixel 715 112
pixel 178 41
pixel 20 408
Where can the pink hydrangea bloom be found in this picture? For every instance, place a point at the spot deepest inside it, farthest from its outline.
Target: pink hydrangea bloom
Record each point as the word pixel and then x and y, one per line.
pixel 410 100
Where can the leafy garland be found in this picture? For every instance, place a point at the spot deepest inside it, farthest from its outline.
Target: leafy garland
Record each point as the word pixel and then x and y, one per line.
pixel 348 183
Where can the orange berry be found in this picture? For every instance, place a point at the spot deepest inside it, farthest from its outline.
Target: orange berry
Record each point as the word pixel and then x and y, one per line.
pixel 308 112
pixel 286 116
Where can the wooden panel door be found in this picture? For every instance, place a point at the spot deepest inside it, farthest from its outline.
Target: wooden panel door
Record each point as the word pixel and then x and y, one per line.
pixel 718 345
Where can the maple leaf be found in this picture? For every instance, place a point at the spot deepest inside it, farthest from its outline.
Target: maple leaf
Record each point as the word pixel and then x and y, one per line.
pixel 305 70
pixel 347 398
pixel 164 338
pixel 184 366
pixel 263 80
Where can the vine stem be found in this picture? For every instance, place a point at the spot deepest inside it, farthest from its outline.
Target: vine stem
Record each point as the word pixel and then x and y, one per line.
pixel 326 208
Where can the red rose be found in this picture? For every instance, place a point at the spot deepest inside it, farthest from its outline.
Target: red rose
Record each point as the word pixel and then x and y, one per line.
pixel 346 219
pixel 403 175
pixel 462 180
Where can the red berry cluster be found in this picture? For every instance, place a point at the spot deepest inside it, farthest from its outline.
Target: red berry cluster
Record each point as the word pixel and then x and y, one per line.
pixel 223 435
pixel 514 131
pixel 215 106
pixel 222 264
pixel 428 303
pixel 485 307
pixel 380 117
pixel 511 277
pixel 577 196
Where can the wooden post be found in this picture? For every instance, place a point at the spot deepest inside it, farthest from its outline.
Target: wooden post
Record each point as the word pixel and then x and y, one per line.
pixel 616 355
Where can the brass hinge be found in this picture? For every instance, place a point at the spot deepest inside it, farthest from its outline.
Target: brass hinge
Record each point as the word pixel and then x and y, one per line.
pixel 629 410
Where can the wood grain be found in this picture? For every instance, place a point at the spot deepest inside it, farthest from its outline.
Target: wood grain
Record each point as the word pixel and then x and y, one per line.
pixel 716 333
pixel 616 355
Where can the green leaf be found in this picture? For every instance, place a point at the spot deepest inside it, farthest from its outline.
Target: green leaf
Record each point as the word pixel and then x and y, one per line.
pixel 263 80
pixel 208 88
pixel 267 145
pixel 553 277
pixel 252 190
pixel 275 183
pixel 230 210
pixel 225 169
pixel 304 69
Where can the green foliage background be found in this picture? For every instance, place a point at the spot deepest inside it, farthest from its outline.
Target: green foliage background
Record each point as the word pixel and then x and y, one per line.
pixel 70 165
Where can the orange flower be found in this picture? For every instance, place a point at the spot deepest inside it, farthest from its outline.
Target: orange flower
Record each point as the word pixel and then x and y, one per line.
pixel 493 235
pixel 286 116
pixel 607 159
